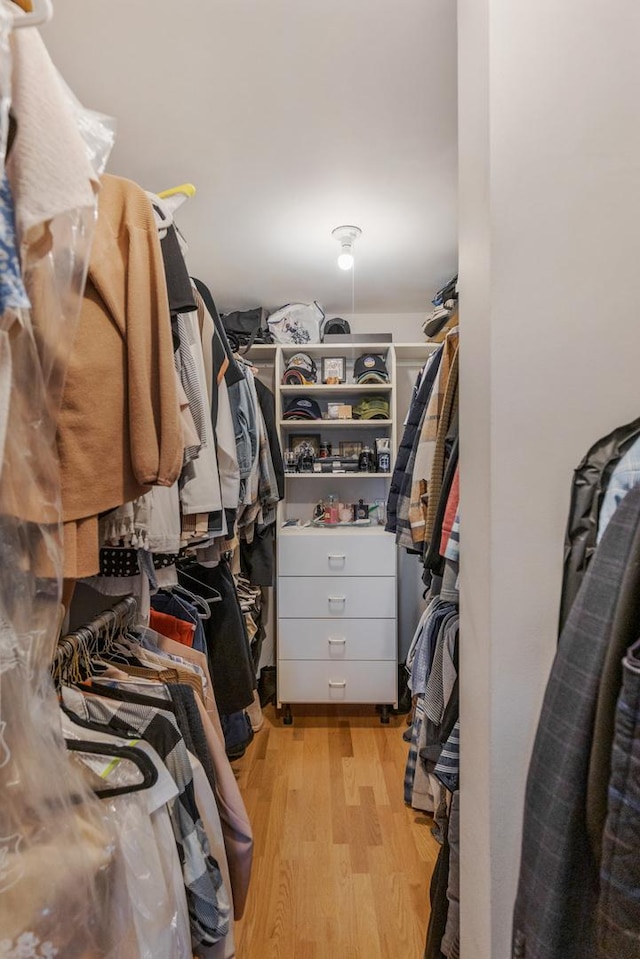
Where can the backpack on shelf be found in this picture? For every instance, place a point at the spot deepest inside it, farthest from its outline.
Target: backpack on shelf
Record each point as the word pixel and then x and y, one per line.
pixel 246 327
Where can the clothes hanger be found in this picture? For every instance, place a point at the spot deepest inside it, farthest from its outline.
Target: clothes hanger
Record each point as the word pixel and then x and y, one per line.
pixel 213 597
pixel 136 756
pixel 121 643
pixel 162 214
pixel 173 198
pixel 180 600
pixel 249 365
pixel 185 190
pixel 36 13
pixel 178 590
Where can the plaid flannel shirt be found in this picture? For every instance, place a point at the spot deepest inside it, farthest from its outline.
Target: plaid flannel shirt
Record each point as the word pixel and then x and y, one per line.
pixel 426 449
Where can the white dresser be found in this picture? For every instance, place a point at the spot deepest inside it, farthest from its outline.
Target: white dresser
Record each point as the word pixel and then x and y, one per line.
pixel 337 618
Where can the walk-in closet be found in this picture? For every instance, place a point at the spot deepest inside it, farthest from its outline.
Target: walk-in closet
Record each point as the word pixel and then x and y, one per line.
pixel 320 479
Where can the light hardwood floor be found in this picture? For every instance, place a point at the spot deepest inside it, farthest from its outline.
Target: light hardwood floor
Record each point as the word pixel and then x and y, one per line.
pixel 341 866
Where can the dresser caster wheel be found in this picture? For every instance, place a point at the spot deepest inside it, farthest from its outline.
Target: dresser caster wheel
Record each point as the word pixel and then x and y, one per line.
pixel 288 718
pixel 384 716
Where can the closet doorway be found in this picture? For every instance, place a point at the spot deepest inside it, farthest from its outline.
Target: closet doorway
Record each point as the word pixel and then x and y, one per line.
pixel 291 118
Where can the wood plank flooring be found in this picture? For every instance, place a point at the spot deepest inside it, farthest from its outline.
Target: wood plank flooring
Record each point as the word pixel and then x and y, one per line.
pixel 341 865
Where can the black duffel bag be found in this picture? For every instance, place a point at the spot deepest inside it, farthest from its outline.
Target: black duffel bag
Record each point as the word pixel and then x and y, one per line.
pixel 246 327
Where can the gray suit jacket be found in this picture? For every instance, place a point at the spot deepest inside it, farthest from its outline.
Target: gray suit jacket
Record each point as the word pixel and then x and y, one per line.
pixel 558 889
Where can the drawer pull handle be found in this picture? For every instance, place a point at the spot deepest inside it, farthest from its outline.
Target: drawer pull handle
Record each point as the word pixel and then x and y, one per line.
pixel 335 556
pixel 337 599
pixel 337 642
pixel 340 685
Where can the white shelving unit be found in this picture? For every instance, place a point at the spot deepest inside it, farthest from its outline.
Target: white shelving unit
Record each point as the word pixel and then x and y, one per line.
pixel 337 587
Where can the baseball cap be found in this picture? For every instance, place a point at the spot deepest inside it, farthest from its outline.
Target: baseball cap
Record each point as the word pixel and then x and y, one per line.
pixel 303 408
pixel 372 408
pixel 304 365
pixel 370 368
pixel 294 377
pixel 334 326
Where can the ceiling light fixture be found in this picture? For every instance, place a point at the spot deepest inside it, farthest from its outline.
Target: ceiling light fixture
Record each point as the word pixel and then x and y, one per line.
pixel 346 236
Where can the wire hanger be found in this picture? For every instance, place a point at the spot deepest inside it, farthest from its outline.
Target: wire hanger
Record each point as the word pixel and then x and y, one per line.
pixel 178 590
pixel 212 597
pixel 75 650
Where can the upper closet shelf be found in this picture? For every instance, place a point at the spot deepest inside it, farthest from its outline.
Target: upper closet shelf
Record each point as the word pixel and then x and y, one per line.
pixel 338 388
pixel 335 347
pixel 354 474
pixel 309 425
pixel 403 351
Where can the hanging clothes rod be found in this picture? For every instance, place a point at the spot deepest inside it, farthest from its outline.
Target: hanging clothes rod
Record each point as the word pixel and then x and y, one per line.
pixel 119 617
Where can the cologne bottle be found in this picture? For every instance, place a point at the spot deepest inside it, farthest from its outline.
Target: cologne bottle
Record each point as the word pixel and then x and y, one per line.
pixel 362 510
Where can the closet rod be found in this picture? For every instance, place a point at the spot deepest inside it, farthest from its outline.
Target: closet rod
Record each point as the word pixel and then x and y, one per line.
pixel 119 617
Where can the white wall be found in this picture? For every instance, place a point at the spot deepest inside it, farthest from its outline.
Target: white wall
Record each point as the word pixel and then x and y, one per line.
pixel 550 242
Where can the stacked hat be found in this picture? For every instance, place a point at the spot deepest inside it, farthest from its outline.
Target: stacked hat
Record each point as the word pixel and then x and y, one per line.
pixel 301 369
pixel 303 408
pixel 336 325
pixel 372 408
pixel 370 368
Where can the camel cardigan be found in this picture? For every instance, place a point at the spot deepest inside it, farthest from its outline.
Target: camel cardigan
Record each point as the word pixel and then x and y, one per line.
pixel 119 428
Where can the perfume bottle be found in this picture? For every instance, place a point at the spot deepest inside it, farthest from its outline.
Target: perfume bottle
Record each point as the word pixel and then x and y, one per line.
pixel 366 463
pixel 346 513
pixel 362 510
pixel 381 512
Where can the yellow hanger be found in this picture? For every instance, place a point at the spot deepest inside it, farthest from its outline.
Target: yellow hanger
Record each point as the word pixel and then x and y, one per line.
pixel 187 189
pixel 36 13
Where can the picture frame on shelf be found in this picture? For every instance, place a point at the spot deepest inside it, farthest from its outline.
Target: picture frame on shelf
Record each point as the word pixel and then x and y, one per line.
pixel 350 449
pixel 311 439
pixel 334 369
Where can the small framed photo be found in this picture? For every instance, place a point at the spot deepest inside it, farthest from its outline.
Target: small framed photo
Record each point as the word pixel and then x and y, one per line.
pixel 334 369
pixel 310 439
pixel 350 449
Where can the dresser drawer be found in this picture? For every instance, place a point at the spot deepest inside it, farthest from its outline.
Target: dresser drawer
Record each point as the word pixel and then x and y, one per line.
pixel 350 639
pixel 301 681
pixel 326 553
pixel 333 597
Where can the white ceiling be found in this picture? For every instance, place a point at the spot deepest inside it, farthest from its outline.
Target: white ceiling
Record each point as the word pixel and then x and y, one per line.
pixel 290 117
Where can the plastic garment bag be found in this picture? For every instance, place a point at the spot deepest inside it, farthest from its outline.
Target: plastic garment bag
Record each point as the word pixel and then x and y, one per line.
pixel 61 891
pixel 147 853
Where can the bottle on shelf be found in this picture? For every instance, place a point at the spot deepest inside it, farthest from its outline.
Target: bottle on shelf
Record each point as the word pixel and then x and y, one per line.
pixel 381 512
pixel 366 462
pixel 383 454
pixel 346 513
pixel 362 510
